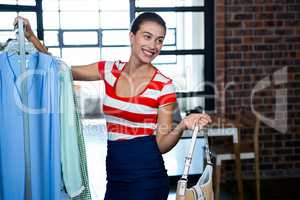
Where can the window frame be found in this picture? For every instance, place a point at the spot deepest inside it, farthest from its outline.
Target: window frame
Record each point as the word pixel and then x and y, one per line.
pixel 99 31
pixel 26 8
pixel 208 51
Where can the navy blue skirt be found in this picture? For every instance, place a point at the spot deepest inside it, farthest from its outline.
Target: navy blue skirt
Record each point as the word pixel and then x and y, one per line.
pixel 135 170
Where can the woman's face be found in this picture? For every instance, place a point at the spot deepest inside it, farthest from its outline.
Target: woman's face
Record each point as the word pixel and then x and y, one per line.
pixel 148 41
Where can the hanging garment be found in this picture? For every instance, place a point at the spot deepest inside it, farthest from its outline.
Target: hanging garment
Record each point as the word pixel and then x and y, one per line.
pixel 70 156
pixel 66 78
pixel 69 143
pixel 86 194
pixel 43 111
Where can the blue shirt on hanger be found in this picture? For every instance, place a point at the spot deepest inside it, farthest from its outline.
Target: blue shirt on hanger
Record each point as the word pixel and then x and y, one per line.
pixel 43 109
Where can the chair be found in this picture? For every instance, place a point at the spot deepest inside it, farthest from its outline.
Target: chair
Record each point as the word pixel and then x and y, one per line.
pixel 239 149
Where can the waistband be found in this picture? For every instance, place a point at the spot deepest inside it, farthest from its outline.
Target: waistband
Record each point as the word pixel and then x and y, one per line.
pixel 134 159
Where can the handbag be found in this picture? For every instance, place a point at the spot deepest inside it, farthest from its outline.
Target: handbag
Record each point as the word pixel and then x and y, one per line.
pixel 203 190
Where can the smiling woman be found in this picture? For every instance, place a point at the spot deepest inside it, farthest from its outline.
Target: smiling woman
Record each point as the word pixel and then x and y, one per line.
pixel 138 106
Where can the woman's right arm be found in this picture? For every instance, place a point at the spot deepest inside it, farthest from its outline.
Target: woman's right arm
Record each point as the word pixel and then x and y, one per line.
pixel 86 72
pixel 81 72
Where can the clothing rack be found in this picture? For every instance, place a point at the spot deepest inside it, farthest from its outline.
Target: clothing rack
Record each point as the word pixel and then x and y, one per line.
pixel 24 98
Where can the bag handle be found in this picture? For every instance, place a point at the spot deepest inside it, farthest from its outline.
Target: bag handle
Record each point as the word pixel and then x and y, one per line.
pixel 206 146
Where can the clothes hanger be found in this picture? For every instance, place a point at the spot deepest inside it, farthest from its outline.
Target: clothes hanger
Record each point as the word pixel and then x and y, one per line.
pixel 2 46
pixel 13 45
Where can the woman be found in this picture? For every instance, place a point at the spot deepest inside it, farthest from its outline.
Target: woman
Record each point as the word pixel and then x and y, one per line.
pixel 138 108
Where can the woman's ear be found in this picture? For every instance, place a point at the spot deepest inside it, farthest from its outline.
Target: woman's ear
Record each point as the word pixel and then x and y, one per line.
pixel 131 37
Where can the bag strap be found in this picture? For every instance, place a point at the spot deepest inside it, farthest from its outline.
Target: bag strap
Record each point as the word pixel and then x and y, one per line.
pixel 206 146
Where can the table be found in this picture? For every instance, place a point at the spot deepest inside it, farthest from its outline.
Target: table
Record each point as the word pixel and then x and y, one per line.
pixel 174 160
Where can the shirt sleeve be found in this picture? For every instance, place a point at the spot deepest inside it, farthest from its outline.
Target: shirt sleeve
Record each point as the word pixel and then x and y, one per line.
pixel 101 65
pixel 167 95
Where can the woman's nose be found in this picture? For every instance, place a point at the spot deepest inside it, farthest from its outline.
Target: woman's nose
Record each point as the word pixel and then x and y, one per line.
pixel 152 44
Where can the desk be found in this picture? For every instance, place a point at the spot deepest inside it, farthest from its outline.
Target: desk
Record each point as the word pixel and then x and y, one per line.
pixel 234 132
pixel 213 132
pixel 174 160
pixel 198 153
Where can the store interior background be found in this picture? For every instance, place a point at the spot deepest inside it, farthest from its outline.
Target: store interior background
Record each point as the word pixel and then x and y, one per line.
pixel 230 45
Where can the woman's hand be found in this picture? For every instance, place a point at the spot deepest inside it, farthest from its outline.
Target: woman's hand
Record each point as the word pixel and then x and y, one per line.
pixel 201 120
pixel 27 28
pixel 30 35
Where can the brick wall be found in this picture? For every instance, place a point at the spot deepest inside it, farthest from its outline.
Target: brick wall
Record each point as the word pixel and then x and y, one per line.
pixel 254 40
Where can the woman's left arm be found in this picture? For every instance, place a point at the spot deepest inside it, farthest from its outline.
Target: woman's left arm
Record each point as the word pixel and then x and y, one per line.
pixel 168 136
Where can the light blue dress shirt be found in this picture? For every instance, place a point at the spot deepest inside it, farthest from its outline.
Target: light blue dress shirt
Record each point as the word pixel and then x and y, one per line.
pixel 43 108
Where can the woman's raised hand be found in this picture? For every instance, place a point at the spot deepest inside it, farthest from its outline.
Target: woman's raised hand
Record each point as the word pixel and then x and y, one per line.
pixel 27 27
pixel 196 119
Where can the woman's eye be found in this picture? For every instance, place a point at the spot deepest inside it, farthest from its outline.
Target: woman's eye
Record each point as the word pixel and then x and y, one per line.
pixel 147 36
pixel 160 41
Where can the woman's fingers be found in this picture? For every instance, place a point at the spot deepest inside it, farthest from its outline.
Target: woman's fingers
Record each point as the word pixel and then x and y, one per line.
pixel 27 27
pixel 15 23
pixel 203 117
pixel 17 20
pixel 206 116
pixel 200 120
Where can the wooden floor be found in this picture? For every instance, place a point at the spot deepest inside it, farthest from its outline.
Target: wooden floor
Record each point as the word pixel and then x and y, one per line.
pixel 272 189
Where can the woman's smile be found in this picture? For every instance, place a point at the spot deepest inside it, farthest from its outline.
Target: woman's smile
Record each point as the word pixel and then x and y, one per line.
pixel 148 53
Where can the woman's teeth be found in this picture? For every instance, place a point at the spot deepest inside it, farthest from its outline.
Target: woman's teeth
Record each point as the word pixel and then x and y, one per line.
pixel 148 53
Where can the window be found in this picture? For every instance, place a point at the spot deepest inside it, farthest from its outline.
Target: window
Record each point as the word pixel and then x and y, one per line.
pixel 169 3
pixel 80 38
pixel 115 37
pixel 188 54
pixel 10 9
pixel 75 28
pixel 82 31
pixel 18 2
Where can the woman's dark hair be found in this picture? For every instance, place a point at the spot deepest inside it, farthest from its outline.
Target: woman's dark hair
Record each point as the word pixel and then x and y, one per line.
pixel 146 17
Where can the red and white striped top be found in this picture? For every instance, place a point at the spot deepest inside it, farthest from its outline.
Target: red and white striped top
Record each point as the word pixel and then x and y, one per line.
pixel 136 116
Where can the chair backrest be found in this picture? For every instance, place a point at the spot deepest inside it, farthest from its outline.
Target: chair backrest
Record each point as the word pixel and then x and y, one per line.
pixel 243 119
pixel 220 121
pixel 246 119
